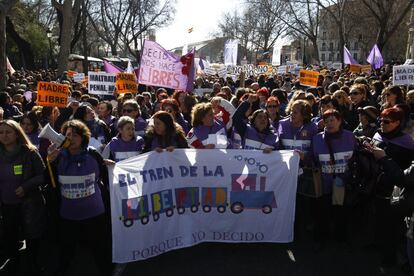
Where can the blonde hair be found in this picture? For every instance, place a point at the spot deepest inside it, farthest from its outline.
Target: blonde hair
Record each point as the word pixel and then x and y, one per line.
pixel 199 111
pixel 296 95
pixel 21 136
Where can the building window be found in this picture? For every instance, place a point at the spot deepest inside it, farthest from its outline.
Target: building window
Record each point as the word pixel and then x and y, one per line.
pixel 330 57
pixel 331 45
pixel 356 56
pixel 324 35
pixel 323 57
pixel 324 46
pixel 356 46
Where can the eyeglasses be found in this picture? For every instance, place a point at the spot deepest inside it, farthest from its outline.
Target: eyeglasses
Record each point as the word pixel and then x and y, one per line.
pixel 272 106
pixel 354 93
pixel 386 121
pixel 169 110
pixel 127 110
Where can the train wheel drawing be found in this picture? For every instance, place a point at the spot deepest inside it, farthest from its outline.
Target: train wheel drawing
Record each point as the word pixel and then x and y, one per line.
pixel 221 209
pixel 180 210
pixel 156 216
pixel 237 207
pixel 194 208
pixel 128 222
pixel 144 220
pixel 207 208
pixel 267 209
pixel 169 212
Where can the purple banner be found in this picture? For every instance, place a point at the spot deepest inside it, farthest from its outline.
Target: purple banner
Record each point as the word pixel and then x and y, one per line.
pixel 162 68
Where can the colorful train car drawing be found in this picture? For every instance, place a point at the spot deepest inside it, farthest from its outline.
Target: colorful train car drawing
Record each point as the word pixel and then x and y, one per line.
pixel 243 194
pixel 135 209
pixel 162 202
pixel 187 198
pixel 214 197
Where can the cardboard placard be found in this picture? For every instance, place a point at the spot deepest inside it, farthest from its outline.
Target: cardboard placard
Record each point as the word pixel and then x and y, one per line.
pixel 355 68
pixel 126 82
pixel 52 94
pixel 308 78
pixel 101 83
pixel 366 68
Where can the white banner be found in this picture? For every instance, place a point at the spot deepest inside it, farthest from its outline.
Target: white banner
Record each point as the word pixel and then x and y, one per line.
pixel 78 77
pixel 170 200
pixel 101 83
pixel 276 56
pixel 230 52
pixel 403 75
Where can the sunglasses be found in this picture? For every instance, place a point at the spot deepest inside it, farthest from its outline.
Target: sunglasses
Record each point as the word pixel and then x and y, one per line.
pixel 272 106
pixel 354 93
pixel 127 110
pixel 386 121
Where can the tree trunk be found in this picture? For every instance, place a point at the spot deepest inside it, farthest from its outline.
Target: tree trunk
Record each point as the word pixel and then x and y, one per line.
pixel 114 51
pixel 3 66
pixel 66 37
pixel 84 39
pixel 315 50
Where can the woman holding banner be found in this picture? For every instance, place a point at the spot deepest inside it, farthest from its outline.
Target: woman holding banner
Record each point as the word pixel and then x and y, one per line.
pixel 125 144
pixel 164 134
pixel 82 181
pixel 172 107
pixel 211 122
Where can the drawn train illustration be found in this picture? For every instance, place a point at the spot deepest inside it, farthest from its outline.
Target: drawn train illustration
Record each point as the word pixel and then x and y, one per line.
pixel 243 195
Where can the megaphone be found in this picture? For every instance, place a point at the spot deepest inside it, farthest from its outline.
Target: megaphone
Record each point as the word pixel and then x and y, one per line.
pixel 56 138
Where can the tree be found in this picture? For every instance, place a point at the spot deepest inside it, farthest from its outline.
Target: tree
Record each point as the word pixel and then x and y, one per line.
pixel 388 17
pixel 5 6
pixel 68 11
pixel 302 20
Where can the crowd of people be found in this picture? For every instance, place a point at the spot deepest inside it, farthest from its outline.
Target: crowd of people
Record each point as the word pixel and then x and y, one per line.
pixel 328 126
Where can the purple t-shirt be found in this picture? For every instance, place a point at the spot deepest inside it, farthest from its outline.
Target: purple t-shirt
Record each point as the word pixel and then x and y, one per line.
pixel 11 178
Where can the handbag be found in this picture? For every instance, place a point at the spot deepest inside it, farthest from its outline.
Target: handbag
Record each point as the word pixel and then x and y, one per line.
pixel 309 182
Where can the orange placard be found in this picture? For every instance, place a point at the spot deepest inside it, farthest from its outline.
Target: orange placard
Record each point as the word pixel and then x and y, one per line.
pixel 71 73
pixel 309 78
pixel 52 94
pixel 126 82
pixel 366 68
pixel 355 68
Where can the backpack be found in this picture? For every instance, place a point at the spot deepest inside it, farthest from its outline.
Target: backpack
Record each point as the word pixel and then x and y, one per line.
pixel 363 174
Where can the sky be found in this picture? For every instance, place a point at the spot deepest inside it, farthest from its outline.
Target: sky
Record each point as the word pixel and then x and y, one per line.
pixel 202 15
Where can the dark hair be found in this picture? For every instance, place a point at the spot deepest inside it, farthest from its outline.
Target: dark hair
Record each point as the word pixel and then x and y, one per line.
pixel 328 99
pixel 34 120
pixel 171 102
pixel 171 128
pixel 93 101
pixel 252 118
pixel 332 112
pixel 80 113
pixel 80 128
pixel 3 98
pixel 396 90
pixel 108 105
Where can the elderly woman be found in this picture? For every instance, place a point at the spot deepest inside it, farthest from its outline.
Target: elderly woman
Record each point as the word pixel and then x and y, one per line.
pixel 125 144
pixel 21 169
pixel 332 149
pixel 82 179
pixel 164 134
pixel 210 124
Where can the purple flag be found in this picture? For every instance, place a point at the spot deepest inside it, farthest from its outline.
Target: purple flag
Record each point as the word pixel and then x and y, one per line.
pixel 190 80
pixel 375 58
pixel 348 59
pixel 110 68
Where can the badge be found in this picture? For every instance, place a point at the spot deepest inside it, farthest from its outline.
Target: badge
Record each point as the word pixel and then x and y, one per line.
pixel 18 169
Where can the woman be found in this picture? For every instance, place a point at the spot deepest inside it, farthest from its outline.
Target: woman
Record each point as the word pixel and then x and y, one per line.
pixel 31 127
pixel 326 102
pixel 358 96
pixel 171 106
pixel 10 111
pixel 126 144
pixel 391 96
pixel 332 149
pixel 164 134
pixel 273 110
pixel 209 130
pixel 131 108
pixel 368 117
pixel 83 210
pixel 343 101
pixel 21 169
pixel 100 132
pixel 257 134
pixel 399 147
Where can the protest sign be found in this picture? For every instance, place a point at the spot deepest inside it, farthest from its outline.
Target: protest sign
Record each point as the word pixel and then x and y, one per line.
pixel 101 83
pixel 78 77
pixel 337 65
pixel 222 72
pixel 403 75
pixel 71 73
pixel 355 68
pixel 52 94
pixel 202 91
pixel 209 71
pixel 165 201
pixel 126 82
pixel 366 69
pixel 160 67
pixel 262 69
pixel 309 78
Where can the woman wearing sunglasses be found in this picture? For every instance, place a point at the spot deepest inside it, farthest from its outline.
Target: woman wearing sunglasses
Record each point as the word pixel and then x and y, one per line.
pixel 131 108
pixel 171 106
pixel 273 110
pixel 398 147
pixel 358 97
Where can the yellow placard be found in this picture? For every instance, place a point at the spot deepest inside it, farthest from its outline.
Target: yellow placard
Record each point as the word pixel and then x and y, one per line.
pixel 126 82
pixel 52 94
pixel 309 78
pixel 355 68
pixel 366 68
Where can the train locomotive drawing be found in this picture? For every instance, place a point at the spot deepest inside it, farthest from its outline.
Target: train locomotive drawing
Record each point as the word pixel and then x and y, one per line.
pixel 243 195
